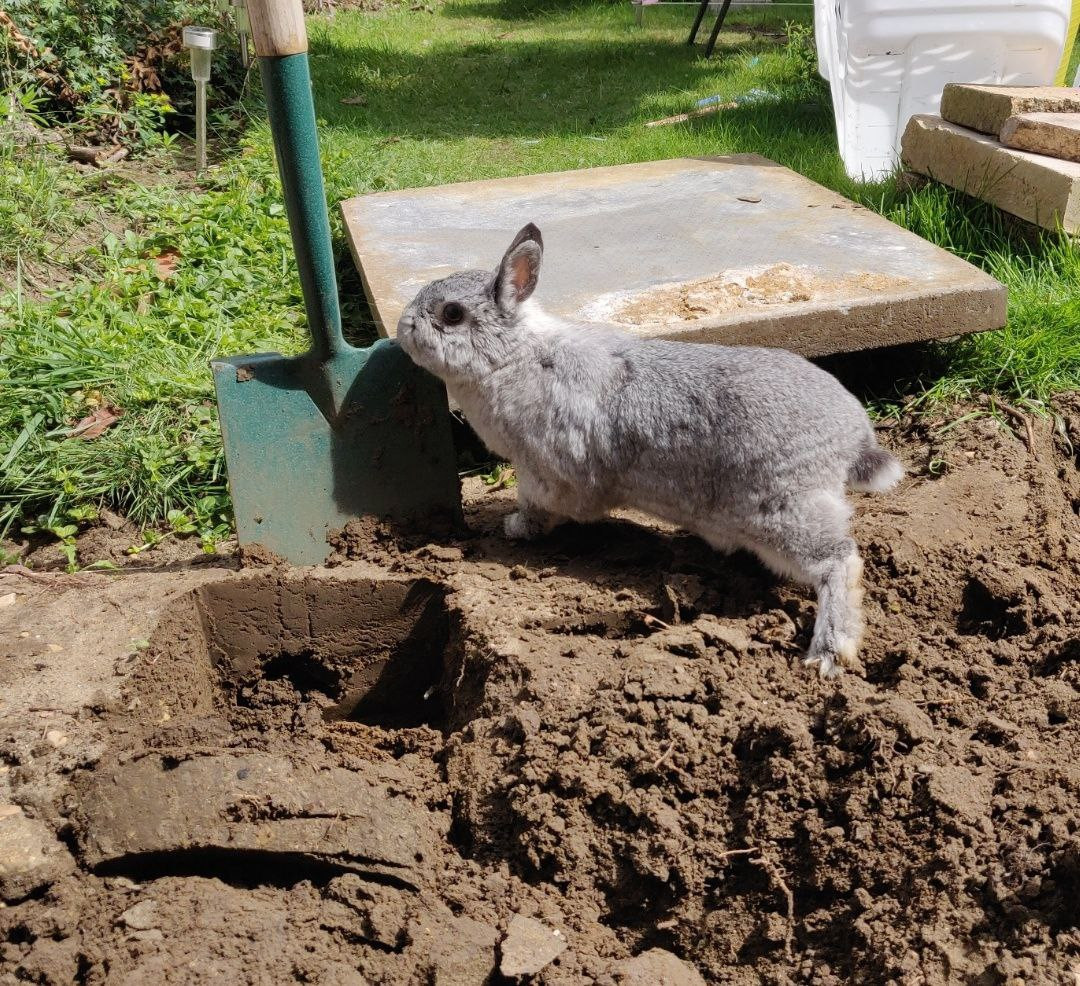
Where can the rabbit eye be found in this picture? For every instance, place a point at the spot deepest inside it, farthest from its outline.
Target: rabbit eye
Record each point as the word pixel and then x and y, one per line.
pixel 452 313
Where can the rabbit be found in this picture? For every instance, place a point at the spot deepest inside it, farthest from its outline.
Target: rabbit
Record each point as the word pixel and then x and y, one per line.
pixel 746 447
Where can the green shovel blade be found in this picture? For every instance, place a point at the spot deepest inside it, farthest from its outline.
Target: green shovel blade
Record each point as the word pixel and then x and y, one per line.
pixel 313 441
pixel 294 475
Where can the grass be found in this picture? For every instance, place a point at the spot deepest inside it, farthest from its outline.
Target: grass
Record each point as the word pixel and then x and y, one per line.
pixel 474 89
pixel 136 335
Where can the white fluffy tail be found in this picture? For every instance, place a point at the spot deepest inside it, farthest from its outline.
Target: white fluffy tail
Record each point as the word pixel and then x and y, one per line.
pixel 875 471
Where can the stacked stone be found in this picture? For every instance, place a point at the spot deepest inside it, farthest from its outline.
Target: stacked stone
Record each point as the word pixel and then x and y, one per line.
pixel 1017 148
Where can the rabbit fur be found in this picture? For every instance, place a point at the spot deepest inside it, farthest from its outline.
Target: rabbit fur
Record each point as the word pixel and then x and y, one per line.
pixel 747 447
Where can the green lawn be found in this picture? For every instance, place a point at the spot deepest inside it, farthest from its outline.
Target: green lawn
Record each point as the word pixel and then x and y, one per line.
pixel 472 89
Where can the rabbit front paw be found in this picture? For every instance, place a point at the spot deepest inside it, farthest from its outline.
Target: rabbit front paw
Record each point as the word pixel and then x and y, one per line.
pixel 520 526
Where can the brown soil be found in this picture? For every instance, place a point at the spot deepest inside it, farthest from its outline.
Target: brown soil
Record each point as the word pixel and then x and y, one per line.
pixel 781 284
pixel 594 759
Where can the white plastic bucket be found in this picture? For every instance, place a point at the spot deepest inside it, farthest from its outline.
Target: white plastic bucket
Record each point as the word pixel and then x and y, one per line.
pixel 889 59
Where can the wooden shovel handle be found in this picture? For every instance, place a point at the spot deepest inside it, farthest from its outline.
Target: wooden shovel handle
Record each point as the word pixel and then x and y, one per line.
pixel 277 27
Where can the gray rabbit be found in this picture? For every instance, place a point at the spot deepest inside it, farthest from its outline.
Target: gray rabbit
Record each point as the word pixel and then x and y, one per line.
pixel 747 447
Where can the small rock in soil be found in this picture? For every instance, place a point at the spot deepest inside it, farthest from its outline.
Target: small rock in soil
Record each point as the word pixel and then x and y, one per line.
pixel 724 635
pixel 30 856
pixel 529 946
pixel 141 916
pixel 459 950
pixel 656 967
pixel 56 739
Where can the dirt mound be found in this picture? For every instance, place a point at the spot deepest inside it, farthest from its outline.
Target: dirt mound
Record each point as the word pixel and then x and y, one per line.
pixel 594 759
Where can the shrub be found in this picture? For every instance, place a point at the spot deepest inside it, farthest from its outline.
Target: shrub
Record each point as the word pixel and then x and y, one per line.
pixel 105 69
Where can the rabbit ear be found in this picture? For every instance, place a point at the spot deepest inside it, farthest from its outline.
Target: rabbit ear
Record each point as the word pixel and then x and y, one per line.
pixel 520 269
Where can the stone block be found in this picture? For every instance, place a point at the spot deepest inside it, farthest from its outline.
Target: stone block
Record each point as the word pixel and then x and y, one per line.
pixel 986 108
pixel 1040 189
pixel 1053 134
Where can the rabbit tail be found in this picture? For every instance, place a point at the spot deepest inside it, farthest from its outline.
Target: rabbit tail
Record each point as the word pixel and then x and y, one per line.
pixel 875 470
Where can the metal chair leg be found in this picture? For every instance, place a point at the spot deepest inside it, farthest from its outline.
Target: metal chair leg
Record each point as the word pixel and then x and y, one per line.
pixel 716 28
pixel 697 21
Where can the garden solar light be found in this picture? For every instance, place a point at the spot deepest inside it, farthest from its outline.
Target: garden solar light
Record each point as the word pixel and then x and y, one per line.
pixel 243 28
pixel 201 42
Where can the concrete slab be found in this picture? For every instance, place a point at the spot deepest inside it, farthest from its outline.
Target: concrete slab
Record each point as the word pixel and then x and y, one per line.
pixel 1054 134
pixel 986 108
pixel 736 250
pixel 1042 190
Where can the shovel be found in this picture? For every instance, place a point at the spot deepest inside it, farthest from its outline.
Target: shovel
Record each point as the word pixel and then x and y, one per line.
pixel 313 441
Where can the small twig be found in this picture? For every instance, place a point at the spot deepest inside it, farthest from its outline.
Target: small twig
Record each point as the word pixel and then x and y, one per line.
pixel 118 155
pixel 663 756
pixel 1017 415
pixel 938 701
pixel 693 114
pixel 739 852
pixel 90 154
pixel 652 621
pixel 778 880
pixel 45 578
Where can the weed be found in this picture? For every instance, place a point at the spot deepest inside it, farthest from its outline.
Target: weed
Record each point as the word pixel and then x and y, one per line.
pixel 137 336
pixel 64 530
pixel 501 477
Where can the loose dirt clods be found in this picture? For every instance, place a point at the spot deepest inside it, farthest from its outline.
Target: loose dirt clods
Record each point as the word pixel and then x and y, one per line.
pixel 593 759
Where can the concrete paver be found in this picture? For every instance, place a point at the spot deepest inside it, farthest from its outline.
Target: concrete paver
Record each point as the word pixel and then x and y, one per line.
pixel 736 250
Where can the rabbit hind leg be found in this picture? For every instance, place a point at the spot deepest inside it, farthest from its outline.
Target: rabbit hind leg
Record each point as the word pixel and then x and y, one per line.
pixel 838 628
pixel 810 540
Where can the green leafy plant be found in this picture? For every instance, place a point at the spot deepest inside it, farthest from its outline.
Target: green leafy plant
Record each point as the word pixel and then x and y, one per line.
pixel 801 50
pixel 106 69
pixel 65 531
pixel 502 477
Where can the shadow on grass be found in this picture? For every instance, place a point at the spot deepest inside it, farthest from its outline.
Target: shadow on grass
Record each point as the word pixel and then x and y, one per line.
pixel 509 10
pixel 508 88
pixel 737 21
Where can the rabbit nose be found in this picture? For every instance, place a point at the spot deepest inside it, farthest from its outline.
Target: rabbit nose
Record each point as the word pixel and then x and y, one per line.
pixel 406 321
